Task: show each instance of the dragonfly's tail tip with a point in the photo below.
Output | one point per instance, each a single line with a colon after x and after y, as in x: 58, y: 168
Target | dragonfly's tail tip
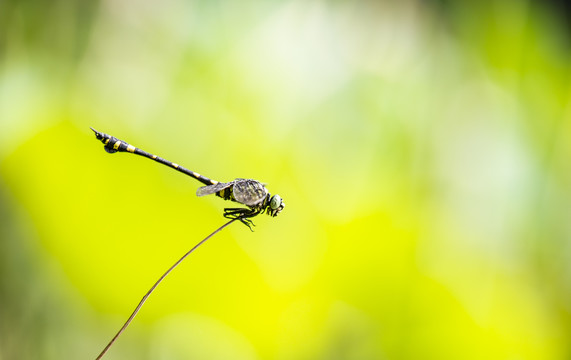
x: 98, y: 135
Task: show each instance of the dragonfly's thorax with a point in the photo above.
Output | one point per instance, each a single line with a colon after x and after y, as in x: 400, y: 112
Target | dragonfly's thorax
x: 226, y: 194
x: 248, y: 192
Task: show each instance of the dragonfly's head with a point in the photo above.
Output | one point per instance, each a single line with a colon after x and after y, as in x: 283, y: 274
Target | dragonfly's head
x: 276, y: 205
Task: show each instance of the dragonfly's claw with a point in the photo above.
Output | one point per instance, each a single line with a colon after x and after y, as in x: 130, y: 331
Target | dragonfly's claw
x: 249, y: 223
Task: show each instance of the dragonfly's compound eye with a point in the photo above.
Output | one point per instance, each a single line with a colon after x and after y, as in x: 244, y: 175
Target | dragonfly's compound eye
x: 276, y: 205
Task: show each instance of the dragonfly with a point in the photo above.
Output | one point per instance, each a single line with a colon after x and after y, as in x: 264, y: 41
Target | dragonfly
x: 249, y: 192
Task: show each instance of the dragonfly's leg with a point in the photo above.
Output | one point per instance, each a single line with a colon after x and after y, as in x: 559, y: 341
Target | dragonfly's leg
x: 241, y: 214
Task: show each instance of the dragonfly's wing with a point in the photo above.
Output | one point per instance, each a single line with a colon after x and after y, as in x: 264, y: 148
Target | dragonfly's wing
x: 249, y: 192
x: 211, y: 189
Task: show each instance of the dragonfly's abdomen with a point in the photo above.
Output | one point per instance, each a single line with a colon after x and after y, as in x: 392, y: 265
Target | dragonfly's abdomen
x: 113, y: 145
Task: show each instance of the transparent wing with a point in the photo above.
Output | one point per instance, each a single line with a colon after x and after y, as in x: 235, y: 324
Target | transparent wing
x: 211, y: 189
x: 249, y: 192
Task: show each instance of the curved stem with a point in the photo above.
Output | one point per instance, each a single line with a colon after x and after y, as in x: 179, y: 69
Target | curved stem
x: 157, y: 284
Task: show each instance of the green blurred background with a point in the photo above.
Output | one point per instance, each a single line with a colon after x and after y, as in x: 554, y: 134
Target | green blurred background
x: 422, y: 148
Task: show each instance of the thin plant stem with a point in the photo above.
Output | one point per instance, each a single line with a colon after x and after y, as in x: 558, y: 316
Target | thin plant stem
x: 157, y: 284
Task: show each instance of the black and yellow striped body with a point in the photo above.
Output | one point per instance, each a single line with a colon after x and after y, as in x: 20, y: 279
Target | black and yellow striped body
x: 248, y: 192
x: 112, y: 145
x: 226, y: 194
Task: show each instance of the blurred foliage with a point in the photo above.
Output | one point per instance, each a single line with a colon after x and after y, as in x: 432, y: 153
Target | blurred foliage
x: 422, y: 149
